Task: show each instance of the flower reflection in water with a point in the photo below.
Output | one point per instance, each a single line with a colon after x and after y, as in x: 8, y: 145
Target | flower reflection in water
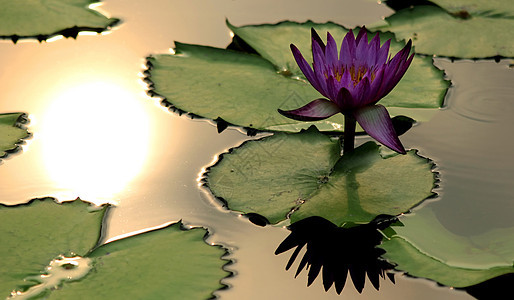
x: 95, y: 140
x: 339, y: 251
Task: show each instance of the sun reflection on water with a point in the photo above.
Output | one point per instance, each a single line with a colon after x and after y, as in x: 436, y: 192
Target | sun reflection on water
x: 94, y: 139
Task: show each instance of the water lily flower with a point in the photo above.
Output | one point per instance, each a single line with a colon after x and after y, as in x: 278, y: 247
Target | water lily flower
x: 353, y: 81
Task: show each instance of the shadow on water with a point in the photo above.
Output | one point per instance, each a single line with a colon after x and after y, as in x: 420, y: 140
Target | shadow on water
x: 339, y: 251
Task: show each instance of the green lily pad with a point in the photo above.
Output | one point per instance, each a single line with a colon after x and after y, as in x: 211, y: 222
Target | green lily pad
x: 60, y: 240
x: 301, y: 175
x: 168, y: 263
x: 45, y: 19
x: 11, y: 132
x: 35, y: 233
x: 424, y: 248
x: 477, y: 7
x: 466, y: 35
x: 247, y: 89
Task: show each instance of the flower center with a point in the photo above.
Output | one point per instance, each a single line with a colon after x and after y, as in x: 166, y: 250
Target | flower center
x: 356, y: 74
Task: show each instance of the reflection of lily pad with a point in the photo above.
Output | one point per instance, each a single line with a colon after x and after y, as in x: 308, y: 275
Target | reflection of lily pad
x: 247, y: 89
x: 304, y: 171
x: 424, y: 248
x: 34, y: 234
x: 156, y: 264
x: 44, y: 19
x: 11, y: 132
x: 435, y: 31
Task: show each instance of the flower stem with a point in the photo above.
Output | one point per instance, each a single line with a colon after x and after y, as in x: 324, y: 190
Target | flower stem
x: 349, y: 133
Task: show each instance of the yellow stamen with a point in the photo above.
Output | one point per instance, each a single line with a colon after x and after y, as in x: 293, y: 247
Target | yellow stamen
x: 355, y: 75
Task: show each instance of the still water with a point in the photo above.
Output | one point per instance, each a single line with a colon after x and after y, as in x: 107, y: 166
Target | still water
x: 98, y: 136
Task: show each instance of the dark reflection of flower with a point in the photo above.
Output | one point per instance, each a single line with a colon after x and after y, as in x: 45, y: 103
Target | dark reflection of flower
x: 336, y: 251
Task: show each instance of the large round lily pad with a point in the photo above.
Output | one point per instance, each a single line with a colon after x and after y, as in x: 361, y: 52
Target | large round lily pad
x: 301, y: 175
x: 11, y: 132
x: 44, y: 19
x: 247, y: 89
x: 424, y: 248
x: 170, y: 262
x: 478, y: 33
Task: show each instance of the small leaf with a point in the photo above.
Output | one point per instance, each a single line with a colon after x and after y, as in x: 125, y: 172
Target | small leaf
x: 12, y: 132
x: 304, y: 174
x: 45, y: 19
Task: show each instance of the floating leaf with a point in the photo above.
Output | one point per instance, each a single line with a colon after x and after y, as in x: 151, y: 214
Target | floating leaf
x: 11, y: 132
x: 168, y: 263
x: 473, y: 34
x: 304, y: 173
x: 476, y: 7
x: 156, y: 264
x: 424, y: 248
x: 246, y: 89
x: 45, y: 19
x: 35, y: 233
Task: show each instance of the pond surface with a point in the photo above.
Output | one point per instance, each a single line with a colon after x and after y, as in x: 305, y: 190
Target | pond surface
x: 98, y: 136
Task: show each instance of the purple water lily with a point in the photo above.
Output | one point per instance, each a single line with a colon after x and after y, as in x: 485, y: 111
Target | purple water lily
x: 353, y: 81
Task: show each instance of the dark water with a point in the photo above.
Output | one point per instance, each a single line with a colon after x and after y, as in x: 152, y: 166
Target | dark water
x: 98, y: 136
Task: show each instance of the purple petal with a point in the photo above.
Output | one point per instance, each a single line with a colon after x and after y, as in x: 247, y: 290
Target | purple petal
x: 360, y: 92
x: 362, y: 33
x: 396, y: 68
x: 345, y: 100
x: 318, y: 109
x: 402, y: 54
x: 331, y: 52
x: 383, y: 52
x: 374, y: 46
x: 332, y: 87
x: 347, y: 52
x: 317, y: 39
x: 361, y: 53
x: 375, y: 120
x: 305, y: 68
x: 320, y: 68
x: 346, y: 80
x: 376, y: 86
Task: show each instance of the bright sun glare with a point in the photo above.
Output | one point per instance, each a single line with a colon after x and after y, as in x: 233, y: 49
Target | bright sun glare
x: 95, y: 140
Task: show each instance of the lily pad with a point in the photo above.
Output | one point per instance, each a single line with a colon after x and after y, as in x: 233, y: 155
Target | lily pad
x: 476, y: 7
x: 302, y: 175
x: 11, y: 132
x: 45, y: 19
x: 35, y: 233
x: 60, y: 241
x: 168, y: 263
x: 247, y: 89
x: 424, y: 248
x: 478, y: 33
